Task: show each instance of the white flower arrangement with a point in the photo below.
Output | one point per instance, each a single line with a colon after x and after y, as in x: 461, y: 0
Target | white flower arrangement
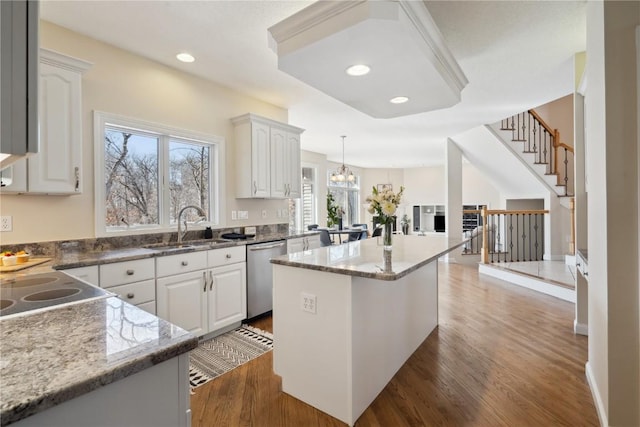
x: 384, y: 204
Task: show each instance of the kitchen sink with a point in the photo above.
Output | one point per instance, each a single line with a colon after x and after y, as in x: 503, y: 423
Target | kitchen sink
x: 186, y: 245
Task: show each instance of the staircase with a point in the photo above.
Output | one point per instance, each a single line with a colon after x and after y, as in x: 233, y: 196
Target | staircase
x: 540, y: 148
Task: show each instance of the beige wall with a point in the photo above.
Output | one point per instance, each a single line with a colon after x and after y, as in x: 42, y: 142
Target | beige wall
x: 612, y: 163
x: 123, y: 83
x: 559, y: 115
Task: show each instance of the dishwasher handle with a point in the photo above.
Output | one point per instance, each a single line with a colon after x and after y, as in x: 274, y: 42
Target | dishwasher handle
x: 263, y: 247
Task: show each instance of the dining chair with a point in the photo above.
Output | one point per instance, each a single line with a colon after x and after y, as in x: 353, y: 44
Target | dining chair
x: 312, y: 227
x: 325, y: 238
x: 377, y: 232
x: 363, y: 226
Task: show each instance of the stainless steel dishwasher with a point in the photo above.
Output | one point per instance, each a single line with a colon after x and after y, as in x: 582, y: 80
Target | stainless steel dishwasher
x: 260, y: 276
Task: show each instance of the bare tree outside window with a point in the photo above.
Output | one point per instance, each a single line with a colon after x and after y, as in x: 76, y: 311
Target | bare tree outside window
x: 188, y: 178
x: 131, y: 178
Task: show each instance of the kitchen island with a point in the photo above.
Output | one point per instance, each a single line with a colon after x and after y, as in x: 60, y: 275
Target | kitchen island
x: 345, y: 321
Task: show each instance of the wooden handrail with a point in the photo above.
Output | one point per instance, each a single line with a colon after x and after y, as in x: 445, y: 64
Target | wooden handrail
x: 542, y: 122
x: 516, y: 212
x: 563, y: 145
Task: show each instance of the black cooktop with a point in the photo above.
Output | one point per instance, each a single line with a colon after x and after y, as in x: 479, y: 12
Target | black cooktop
x: 35, y: 291
x: 237, y: 236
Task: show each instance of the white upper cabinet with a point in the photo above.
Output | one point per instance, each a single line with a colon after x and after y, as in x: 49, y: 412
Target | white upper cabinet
x: 267, y: 158
x: 57, y: 167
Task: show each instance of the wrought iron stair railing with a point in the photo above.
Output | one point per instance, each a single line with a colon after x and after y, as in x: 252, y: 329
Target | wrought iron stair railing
x: 539, y: 138
x: 507, y: 236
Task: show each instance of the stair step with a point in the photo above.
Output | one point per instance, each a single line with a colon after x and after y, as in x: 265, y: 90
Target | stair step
x: 519, y: 140
x: 541, y: 163
x: 507, y: 128
x: 534, y: 152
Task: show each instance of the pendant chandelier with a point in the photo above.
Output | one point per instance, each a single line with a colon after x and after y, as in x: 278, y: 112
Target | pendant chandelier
x: 343, y: 173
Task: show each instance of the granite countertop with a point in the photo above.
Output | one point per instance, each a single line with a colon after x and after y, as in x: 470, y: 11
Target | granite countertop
x: 70, y: 350
x: 79, y: 258
x: 365, y: 258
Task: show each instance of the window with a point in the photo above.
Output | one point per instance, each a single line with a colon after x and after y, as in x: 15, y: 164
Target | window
x: 146, y: 173
x: 303, y: 211
x: 347, y: 196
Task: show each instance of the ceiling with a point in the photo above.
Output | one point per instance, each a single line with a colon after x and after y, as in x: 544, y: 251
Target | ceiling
x: 516, y: 55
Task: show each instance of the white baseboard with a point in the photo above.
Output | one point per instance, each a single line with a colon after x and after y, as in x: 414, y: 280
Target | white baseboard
x: 529, y: 282
x: 570, y: 260
x: 597, y: 398
x: 580, y: 328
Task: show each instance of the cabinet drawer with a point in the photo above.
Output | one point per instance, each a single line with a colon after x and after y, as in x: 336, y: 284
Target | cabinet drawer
x: 149, y: 307
x: 181, y: 263
x: 136, y: 293
x: 224, y: 256
x: 121, y: 273
x: 88, y: 274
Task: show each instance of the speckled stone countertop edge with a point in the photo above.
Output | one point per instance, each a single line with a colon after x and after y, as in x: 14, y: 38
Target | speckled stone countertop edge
x: 359, y: 273
x: 146, y: 360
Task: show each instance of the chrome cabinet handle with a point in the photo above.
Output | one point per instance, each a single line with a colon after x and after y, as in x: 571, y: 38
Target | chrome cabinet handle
x: 130, y: 272
x: 211, y: 283
x: 255, y: 187
x: 204, y: 279
x: 577, y: 264
x: 130, y: 295
x: 184, y: 263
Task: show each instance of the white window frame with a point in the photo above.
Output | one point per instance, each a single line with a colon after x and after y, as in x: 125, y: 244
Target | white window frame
x: 300, y: 201
x: 101, y: 120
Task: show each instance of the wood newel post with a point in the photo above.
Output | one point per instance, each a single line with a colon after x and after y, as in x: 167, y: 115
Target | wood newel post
x: 556, y: 142
x: 485, y: 236
x: 572, y: 244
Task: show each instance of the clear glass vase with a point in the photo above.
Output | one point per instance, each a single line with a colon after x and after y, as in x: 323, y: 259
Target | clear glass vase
x: 387, y: 236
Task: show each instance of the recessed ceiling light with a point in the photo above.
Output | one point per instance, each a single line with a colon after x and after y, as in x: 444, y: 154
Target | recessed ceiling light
x: 399, y: 100
x: 185, y: 57
x: 358, y: 70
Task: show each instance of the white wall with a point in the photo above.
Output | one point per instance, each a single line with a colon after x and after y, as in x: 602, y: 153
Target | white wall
x: 611, y: 119
x: 124, y: 83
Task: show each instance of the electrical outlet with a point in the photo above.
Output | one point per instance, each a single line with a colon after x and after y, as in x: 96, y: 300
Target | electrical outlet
x: 6, y: 223
x: 234, y: 215
x: 308, y: 302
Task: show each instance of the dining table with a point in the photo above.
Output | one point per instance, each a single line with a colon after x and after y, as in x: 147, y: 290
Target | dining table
x: 342, y: 231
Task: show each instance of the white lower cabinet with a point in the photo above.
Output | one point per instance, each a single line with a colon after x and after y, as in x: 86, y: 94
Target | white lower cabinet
x: 133, y: 282
x: 89, y: 274
x: 227, y: 296
x: 204, y: 300
x: 181, y: 299
x: 305, y: 243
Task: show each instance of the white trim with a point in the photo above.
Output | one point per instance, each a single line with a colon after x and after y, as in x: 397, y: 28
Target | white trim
x: 528, y: 282
x: 217, y: 158
x: 597, y: 398
x: 580, y: 328
x: 66, y: 62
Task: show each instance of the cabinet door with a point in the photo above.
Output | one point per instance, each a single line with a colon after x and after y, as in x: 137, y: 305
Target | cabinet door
x: 293, y: 168
x: 260, y: 157
x: 181, y: 299
x: 295, y: 245
x: 56, y: 168
x: 279, y: 159
x: 313, y: 241
x: 227, y: 295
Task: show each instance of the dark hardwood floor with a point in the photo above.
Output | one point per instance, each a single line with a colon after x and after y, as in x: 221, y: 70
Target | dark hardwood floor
x: 501, y: 356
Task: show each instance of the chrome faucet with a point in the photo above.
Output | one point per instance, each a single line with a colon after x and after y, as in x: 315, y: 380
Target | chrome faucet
x: 202, y: 213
